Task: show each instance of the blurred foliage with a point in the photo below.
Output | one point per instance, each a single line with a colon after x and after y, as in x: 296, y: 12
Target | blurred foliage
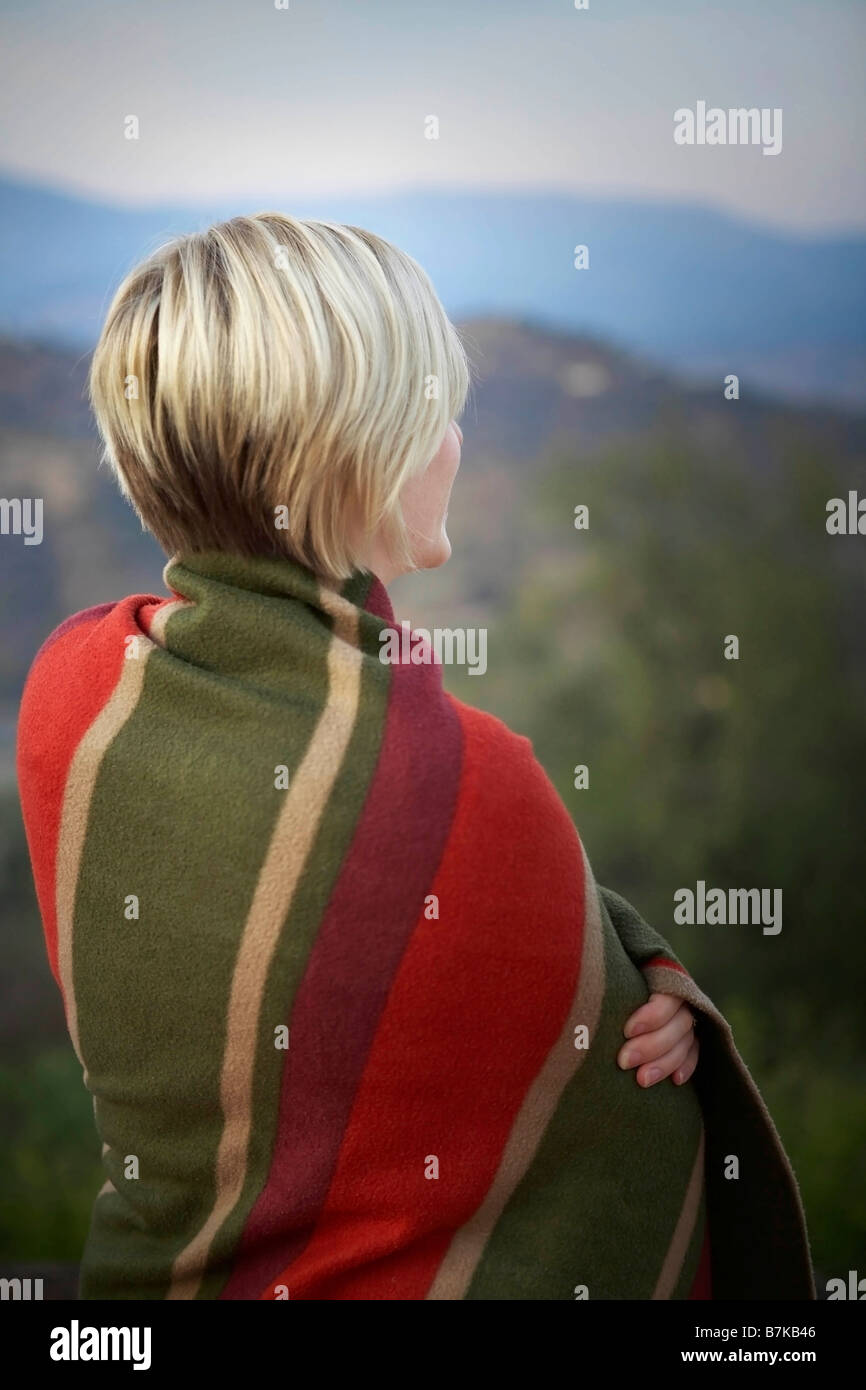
x: 51, y: 1174
x: 745, y: 773
x: 49, y: 1159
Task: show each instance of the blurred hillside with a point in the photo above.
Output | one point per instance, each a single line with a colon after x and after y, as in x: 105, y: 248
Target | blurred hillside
x: 537, y: 391
x: 707, y: 517
x: 700, y: 291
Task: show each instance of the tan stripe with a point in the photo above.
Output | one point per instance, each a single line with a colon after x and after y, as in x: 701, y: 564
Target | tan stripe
x: 673, y: 1262
x: 161, y: 617
x: 291, y: 842
x: 77, y: 796
x: 345, y: 615
x: 464, y: 1253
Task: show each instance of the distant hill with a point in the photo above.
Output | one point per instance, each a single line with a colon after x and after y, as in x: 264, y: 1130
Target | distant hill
x: 538, y: 393
x: 693, y: 288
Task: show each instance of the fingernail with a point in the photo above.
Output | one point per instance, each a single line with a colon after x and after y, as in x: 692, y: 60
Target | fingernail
x: 625, y: 1060
x: 652, y: 1075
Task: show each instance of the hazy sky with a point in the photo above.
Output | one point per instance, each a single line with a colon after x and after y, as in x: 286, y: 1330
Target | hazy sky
x: 235, y: 97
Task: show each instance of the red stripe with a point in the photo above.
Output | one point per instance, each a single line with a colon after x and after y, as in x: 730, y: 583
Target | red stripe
x: 368, y: 922
x: 480, y: 998
x: 702, y: 1286
x: 70, y: 681
x: 663, y: 961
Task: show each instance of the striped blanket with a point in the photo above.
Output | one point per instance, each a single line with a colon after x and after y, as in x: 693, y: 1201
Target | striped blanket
x: 343, y: 989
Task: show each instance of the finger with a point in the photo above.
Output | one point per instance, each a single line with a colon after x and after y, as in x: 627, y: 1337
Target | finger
x: 655, y: 1013
x: 682, y: 1074
x: 650, y: 1046
x: 666, y: 1065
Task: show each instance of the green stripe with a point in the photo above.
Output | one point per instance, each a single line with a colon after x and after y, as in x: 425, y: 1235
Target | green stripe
x: 163, y: 826
x: 314, y: 890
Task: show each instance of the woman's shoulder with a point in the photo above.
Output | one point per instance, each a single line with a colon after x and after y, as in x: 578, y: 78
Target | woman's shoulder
x: 505, y: 761
x: 76, y: 633
x: 79, y: 623
x: 80, y: 657
x: 490, y: 734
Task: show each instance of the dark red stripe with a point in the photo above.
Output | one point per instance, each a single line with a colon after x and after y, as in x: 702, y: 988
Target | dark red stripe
x: 86, y: 615
x: 378, y: 602
x: 370, y: 918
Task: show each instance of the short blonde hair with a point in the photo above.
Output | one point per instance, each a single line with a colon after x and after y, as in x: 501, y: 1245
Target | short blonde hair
x: 275, y: 368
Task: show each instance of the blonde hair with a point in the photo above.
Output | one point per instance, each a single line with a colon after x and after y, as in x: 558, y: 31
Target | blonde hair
x: 270, y: 368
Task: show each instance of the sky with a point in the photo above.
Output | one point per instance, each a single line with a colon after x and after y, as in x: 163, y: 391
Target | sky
x: 236, y: 98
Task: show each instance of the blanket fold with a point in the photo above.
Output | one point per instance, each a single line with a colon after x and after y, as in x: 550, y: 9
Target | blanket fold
x: 343, y: 988
x: 764, y: 1196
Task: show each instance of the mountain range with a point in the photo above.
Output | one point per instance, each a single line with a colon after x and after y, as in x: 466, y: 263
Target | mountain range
x: 689, y: 288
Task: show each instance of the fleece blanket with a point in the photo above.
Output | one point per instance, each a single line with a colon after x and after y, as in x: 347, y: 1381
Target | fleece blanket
x: 343, y: 989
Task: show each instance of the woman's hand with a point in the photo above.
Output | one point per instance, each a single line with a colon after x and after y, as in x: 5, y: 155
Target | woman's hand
x: 662, y: 1041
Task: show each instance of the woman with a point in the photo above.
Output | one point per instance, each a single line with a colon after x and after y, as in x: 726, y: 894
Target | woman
x: 348, y: 1000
